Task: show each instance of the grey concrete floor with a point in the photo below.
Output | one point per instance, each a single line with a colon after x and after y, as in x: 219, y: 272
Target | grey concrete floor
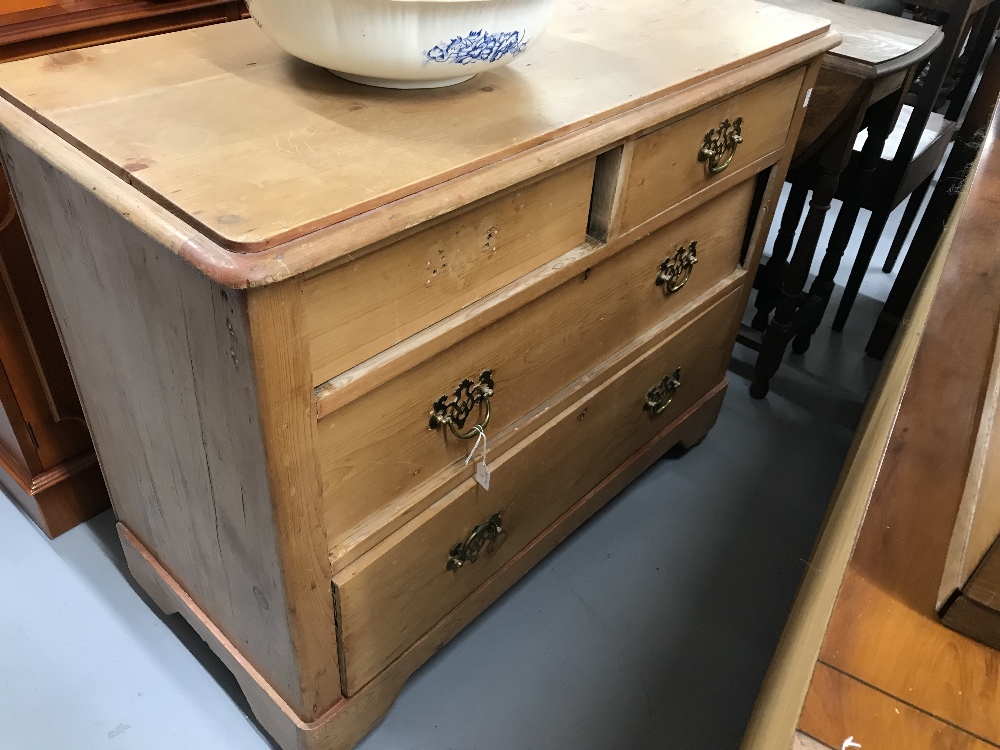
x: 651, y: 627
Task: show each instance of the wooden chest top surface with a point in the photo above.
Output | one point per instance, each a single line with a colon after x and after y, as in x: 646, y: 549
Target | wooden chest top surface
x: 254, y: 148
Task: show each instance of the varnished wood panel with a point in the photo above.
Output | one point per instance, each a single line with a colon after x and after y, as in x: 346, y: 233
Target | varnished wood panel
x: 277, y: 161
x: 885, y: 629
x: 786, y: 684
x: 358, y: 310
x: 377, y: 448
x: 181, y: 446
x: 841, y: 708
x: 665, y: 165
x: 532, y: 485
x: 45, y: 27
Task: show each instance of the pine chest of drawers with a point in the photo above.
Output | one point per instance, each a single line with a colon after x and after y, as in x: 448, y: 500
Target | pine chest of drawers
x: 292, y: 306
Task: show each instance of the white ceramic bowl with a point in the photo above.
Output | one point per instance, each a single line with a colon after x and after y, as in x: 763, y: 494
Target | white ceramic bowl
x: 404, y: 43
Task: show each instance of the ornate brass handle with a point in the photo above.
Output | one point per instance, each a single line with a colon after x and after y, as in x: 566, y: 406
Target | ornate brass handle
x: 485, y: 535
x: 456, y: 411
x: 676, y: 270
x: 662, y: 394
x: 720, y: 145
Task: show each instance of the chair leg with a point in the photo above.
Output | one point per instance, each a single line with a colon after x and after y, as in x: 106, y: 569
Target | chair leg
x: 876, y: 223
x: 909, y: 214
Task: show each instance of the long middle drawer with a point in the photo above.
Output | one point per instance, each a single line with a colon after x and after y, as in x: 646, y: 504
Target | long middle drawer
x: 378, y: 448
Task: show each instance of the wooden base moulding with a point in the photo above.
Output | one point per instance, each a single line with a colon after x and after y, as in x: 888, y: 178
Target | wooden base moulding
x: 348, y: 721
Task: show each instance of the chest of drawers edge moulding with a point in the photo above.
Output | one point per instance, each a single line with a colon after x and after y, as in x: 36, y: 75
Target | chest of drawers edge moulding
x: 235, y: 435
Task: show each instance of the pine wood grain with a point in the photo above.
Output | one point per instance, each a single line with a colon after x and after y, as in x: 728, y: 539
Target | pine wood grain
x: 665, y: 165
x: 181, y: 446
x: 337, y: 243
x: 361, y: 309
x: 277, y: 161
x: 378, y: 448
x: 347, y: 722
x: 532, y: 485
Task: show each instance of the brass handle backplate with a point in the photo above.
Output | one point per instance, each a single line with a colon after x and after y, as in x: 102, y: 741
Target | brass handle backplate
x: 455, y: 411
x: 486, y: 535
x: 720, y: 145
x: 662, y: 394
x: 676, y: 270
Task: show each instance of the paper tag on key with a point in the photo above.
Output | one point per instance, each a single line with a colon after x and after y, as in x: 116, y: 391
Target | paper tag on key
x: 482, y: 470
x: 483, y: 475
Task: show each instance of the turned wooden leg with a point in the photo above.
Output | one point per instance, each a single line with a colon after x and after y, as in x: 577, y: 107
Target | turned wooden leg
x: 782, y: 325
x: 912, y: 207
x: 882, y: 118
x: 771, y: 274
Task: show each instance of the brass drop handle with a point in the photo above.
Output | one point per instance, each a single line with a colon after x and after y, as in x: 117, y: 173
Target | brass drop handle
x: 662, y: 394
x: 720, y: 145
x: 675, y: 271
x: 486, y: 535
x: 455, y: 411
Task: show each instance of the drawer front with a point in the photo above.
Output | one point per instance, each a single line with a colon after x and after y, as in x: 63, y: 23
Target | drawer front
x: 378, y: 447
x: 360, y: 309
x: 666, y: 167
x: 396, y: 592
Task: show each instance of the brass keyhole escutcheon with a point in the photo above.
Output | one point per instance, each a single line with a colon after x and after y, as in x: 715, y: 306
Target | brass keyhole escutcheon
x: 675, y: 271
x: 720, y: 145
x: 455, y: 411
x: 662, y: 394
x: 487, y: 535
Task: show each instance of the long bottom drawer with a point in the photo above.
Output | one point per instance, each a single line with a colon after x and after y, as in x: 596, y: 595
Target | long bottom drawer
x: 397, y: 591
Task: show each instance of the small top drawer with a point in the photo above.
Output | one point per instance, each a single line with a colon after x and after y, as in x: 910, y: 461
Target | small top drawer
x: 355, y: 311
x: 668, y: 165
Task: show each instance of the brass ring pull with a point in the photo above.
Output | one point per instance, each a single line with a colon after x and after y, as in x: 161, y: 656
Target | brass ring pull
x: 455, y: 412
x: 720, y: 145
x: 486, y: 535
x: 662, y: 394
x: 675, y: 271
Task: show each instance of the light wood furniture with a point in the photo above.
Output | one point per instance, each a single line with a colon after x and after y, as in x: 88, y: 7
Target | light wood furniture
x: 865, y: 653
x: 47, y: 461
x: 861, y: 85
x: 277, y: 289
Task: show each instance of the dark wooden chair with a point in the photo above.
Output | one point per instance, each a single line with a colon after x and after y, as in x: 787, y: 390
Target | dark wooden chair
x: 918, y: 143
x: 967, y: 145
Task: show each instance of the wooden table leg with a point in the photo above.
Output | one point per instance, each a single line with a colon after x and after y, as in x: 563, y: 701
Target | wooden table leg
x: 882, y: 118
x: 771, y: 274
x: 786, y: 321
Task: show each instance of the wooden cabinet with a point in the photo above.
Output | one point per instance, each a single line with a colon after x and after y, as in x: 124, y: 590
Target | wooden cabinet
x: 293, y: 310
x: 47, y: 461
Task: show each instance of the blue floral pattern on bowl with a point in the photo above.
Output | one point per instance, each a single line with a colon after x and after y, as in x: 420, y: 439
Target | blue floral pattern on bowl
x: 479, y: 46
